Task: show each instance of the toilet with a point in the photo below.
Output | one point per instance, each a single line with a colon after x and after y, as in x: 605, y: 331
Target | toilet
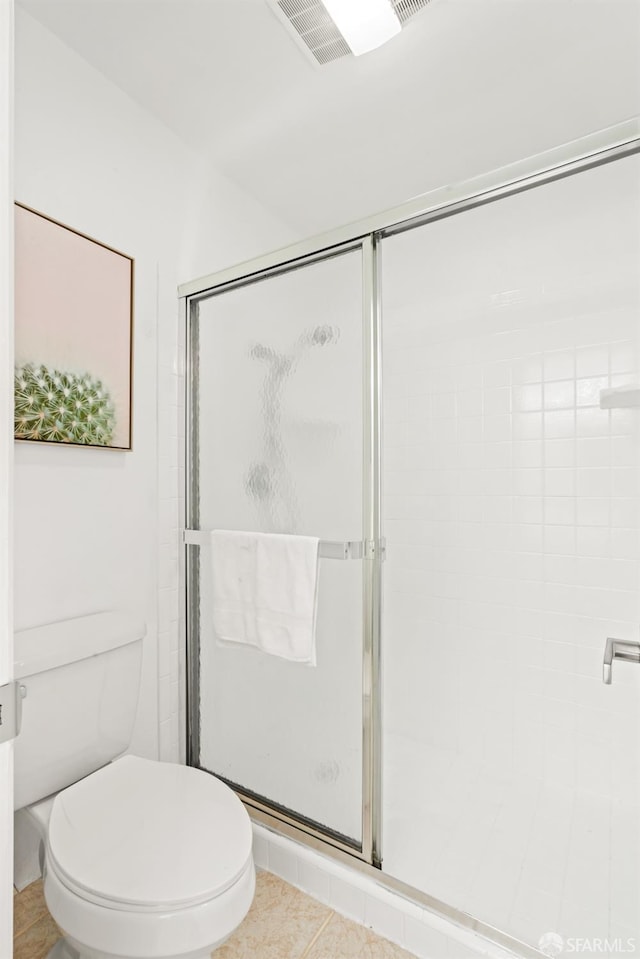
x: 141, y: 859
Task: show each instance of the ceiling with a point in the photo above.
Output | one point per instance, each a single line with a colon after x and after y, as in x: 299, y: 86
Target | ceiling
x: 467, y: 86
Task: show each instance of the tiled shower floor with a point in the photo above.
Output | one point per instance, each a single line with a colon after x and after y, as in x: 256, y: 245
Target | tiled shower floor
x: 283, y: 923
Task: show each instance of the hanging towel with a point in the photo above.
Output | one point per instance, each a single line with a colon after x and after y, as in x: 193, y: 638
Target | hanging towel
x: 265, y: 588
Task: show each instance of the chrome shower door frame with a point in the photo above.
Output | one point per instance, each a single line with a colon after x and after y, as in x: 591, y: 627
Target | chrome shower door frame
x: 604, y: 146
x: 367, y: 849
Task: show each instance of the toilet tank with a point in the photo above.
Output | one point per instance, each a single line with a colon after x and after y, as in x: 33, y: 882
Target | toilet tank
x: 81, y: 680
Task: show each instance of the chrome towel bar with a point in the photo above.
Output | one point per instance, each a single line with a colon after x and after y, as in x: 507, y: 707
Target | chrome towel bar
x: 327, y: 548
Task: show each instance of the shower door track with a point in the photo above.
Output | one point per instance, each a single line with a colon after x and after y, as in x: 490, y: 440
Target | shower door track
x: 605, y: 146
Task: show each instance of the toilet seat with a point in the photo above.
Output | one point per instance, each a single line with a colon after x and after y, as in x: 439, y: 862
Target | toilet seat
x: 148, y: 837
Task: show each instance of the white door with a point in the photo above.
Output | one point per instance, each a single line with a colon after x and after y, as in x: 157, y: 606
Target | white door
x: 6, y: 454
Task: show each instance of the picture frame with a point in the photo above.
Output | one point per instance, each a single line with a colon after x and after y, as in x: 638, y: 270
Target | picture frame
x: 73, y: 336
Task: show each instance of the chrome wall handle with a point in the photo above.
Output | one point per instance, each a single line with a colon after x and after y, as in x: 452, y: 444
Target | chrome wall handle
x: 618, y: 649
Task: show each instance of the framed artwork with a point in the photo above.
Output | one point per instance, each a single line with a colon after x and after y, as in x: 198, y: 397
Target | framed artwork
x: 73, y: 336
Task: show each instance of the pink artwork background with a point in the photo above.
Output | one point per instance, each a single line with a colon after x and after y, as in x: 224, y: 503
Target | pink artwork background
x: 73, y: 309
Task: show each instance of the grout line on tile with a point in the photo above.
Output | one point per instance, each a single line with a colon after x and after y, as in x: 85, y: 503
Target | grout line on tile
x: 315, y: 938
x: 32, y: 923
x: 28, y: 927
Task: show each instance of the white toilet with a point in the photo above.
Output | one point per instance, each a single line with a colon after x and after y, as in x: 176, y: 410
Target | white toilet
x: 141, y: 859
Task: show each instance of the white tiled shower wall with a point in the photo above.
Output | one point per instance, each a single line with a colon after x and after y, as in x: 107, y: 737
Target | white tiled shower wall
x: 512, y: 515
x: 512, y: 504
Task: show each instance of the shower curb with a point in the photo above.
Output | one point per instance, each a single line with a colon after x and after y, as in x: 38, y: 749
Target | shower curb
x: 367, y: 902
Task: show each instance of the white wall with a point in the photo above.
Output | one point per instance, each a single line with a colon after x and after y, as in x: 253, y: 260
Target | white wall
x: 6, y: 377
x: 87, y: 521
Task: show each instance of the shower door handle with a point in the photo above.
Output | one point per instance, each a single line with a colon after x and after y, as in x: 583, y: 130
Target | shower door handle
x: 618, y: 649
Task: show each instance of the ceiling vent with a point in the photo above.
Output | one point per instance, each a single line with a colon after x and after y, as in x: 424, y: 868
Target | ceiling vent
x: 316, y: 33
x: 405, y: 9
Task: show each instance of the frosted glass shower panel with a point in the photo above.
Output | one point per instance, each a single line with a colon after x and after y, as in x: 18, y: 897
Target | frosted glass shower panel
x: 512, y: 518
x: 280, y: 450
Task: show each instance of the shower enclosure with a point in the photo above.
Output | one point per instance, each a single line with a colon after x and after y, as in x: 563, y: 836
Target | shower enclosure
x: 448, y: 396
x: 279, y: 437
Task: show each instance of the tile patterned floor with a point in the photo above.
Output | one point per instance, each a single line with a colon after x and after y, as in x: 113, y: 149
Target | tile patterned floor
x: 283, y: 923
x: 34, y: 931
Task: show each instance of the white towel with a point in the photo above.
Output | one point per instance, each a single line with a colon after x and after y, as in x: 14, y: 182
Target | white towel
x: 265, y: 588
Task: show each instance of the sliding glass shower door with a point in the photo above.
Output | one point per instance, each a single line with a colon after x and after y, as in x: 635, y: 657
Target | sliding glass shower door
x: 464, y: 383
x: 511, y: 371
x: 277, y: 437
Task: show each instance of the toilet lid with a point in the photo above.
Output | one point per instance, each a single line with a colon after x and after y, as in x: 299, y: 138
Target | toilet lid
x: 149, y: 835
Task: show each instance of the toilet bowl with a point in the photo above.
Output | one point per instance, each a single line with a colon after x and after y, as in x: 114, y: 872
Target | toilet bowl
x: 148, y: 859
x: 141, y: 859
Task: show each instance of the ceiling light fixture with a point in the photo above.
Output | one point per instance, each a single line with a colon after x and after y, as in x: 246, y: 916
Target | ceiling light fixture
x: 365, y: 24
